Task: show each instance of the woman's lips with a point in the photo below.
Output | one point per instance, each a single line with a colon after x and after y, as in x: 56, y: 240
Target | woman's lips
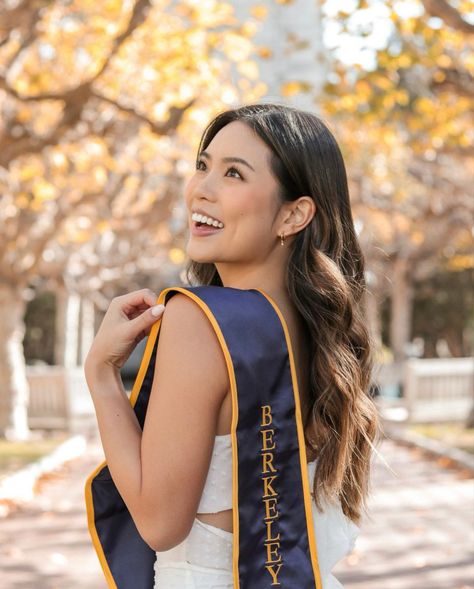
x: 204, y: 229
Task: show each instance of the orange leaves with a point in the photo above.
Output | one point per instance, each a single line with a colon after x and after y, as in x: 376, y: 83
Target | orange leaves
x: 249, y: 69
x: 460, y: 262
x: 176, y: 255
x: 404, y: 60
x: 22, y: 200
x: 444, y: 61
x: 72, y: 43
x: 402, y: 97
x: 294, y: 87
x: 265, y: 52
x: 423, y: 105
x: 364, y: 89
x: 259, y: 11
x: 408, y: 25
x: 349, y: 102
x: 417, y: 237
x: 43, y: 190
x: 31, y: 168
x: 236, y: 47
x: 420, y: 83
x: 102, y: 144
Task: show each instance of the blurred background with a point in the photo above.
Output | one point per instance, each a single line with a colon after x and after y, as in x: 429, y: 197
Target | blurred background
x: 102, y: 107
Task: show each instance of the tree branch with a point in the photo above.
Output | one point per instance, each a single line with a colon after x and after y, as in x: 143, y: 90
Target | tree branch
x: 75, y: 100
x: 20, y: 15
x: 23, y: 17
x: 460, y: 81
x: 442, y: 9
x: 176, y: 114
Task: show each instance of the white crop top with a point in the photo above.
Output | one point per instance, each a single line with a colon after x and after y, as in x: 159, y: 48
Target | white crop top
x: 217, y: 492
x: 336, y: 534
x: 331, y: 525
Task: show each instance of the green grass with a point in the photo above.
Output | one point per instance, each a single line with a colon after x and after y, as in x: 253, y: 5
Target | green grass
x: 16, y: 455
x: 452, y: 434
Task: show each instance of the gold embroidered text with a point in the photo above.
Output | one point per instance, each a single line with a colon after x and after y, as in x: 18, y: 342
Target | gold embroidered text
x: 273, y: 563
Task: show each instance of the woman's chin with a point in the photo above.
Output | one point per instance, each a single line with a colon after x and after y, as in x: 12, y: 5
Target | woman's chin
x: 195, y: 255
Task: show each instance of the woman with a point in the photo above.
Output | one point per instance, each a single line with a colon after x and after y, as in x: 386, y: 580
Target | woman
x: 268, y: 210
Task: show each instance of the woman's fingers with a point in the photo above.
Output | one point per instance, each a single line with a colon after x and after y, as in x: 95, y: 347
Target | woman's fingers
x: 145, y: 320
x: 128, y: 319
x: 140, y: 309
x: 136, y: 300
x: 136, y: 311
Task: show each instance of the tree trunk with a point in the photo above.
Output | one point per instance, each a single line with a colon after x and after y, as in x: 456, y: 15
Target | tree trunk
x: 372, y: 314
x: 470, y: 419
x: 67, y: 328
x: 401, y: 308
x: 87, y: 327
x: 14, y: 389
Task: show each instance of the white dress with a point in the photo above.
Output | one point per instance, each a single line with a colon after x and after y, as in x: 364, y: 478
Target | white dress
x: 204, y: 559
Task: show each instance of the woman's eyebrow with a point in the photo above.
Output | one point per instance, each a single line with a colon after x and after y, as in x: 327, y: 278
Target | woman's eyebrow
x: 229, y: 159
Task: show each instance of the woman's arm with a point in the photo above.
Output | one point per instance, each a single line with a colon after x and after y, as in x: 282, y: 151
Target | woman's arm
x: 160, y: 472
x: 189, y: 385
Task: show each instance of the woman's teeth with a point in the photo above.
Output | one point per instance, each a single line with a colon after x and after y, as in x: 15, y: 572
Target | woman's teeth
x: 207, y: 220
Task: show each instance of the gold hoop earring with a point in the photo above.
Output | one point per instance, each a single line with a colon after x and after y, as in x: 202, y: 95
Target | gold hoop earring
x: 282, y: 239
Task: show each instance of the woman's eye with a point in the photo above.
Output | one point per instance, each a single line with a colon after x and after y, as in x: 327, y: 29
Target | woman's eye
x: 202, y: 162
x: 235, y: 170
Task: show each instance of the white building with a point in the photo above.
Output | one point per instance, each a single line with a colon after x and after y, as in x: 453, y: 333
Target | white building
x: 292, y: 32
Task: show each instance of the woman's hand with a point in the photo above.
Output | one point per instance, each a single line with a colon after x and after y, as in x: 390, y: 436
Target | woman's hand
x: 128, y: 320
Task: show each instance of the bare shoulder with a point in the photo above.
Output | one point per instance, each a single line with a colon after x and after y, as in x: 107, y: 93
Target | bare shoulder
x: 190, y: 382
x: 181, y: 306
x: 187, y: 334
x: 184, y: 314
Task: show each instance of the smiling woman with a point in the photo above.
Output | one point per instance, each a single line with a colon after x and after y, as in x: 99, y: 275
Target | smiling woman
x: 203, y: 223
x: 242, y: 459
x: 243, y: 197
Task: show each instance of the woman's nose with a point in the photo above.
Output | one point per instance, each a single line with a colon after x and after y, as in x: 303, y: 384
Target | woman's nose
x: 205, y: 189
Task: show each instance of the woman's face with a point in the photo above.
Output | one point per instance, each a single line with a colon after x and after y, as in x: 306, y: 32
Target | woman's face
x: 242, y: 196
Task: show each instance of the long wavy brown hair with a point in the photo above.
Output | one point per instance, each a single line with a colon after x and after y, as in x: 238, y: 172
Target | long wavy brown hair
x: 325, y: 280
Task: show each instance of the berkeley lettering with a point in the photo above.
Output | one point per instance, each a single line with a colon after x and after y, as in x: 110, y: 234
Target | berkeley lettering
x: 272, y: 542
x: 269, y: 505
x: 274, y: 570
x: 267, y: 458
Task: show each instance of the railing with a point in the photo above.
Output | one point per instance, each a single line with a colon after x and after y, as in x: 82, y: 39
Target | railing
x: 59, y: 399
x: 48, y: 406
x: 439, y: 389
x: 418, y: 390
x: 427, y: 390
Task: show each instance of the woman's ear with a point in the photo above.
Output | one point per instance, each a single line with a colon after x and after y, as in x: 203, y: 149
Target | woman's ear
x: 298, y: 215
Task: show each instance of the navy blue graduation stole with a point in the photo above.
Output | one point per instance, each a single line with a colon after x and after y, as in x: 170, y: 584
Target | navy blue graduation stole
x: 274, y: 542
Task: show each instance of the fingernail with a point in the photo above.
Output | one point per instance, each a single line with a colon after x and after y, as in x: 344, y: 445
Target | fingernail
x: 157, y: 310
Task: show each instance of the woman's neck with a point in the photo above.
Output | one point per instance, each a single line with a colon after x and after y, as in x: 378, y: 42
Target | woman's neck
x: 245, y: 278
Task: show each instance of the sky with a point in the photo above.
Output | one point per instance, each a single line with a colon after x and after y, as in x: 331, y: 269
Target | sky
x: 373, y: 21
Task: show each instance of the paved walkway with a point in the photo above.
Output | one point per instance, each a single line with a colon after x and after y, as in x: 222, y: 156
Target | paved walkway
x: 421, y: 531
x: 420, y: 535
x: 47, y: 545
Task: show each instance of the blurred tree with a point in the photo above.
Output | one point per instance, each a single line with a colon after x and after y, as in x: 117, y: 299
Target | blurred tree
x: 102, y: 105
x: 405, y: 118
x: 38, y: 343
x: 444, y: 308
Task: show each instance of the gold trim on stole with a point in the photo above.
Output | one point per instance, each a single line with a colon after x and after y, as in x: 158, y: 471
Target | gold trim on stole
x: 302, y: 447
x: 133, y: 398
x: 88, y: 488
x: 235, y: 412
x: 92, y: 529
